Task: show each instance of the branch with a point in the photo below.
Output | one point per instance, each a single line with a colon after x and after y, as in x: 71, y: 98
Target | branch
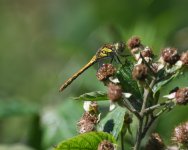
x: 149, y: 109
x: 131, y: 109
x: 146, y: 94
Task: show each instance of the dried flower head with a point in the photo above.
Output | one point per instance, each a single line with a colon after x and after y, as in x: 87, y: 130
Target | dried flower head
x: 181, y: 96
x: 133, y: 42
x: 180, y: 134
x: 87, y: 122
x: 170, y: 55
x: 114, y: 92
x: 105, y: 71
x: 140, y: 72
x: 184, y: 58
x: 106, y: 145
x: 155, y: 143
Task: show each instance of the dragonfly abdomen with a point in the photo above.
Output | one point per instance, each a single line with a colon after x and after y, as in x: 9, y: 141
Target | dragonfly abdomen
x: 76, y: 75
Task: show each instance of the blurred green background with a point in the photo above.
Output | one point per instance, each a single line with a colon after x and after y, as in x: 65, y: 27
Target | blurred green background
x: 43, y: 42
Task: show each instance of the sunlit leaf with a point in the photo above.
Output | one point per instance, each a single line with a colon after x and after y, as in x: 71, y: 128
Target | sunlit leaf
x: 113, y: 122
x: 86, y: 141
x: 93, y: 96
x: 162, y: 83
x: 124, y: 75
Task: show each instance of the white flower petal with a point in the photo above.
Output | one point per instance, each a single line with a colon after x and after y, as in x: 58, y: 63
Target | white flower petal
x: 112, y: 106
x: 170, y: 96
x: 127, y: 95
x: 114, y: 80
x: 86, y: 105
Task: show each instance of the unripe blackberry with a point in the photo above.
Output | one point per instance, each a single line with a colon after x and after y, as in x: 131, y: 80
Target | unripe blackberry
x: 114, y: 92
x: 170, y: 55
x: 140, y: 72
x: 106, y: 145
x: 184, y: 58
x: 155, y: 143
x: 133, y: 42
x: 181, y: 96
x: 180, y: 134
x: 105, y: 71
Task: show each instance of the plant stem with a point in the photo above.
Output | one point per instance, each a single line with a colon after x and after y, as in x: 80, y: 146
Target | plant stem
x: 157, y: 106
x: 122, y: 140
x: 145, y: 96
x: 139, y: 135
x: 141, y: 132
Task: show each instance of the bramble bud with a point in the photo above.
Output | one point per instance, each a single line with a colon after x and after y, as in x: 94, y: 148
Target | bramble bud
x: 155, y: 143
x: 170, y: 55
x: 140, y: 72
x: 180, y: 134
x: 184, y: 58
x: 106, y: 145
x: 87, y: 122
x: 105, y: 71
x: 133, y: 42
x: 181, y: 96
x: 128, y: 118
x: 114, y: 92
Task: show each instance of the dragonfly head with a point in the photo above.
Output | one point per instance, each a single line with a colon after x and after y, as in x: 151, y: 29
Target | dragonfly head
x: 119, y: 47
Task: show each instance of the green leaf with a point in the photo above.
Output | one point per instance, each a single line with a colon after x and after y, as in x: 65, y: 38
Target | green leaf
x: 86, y: 141
x: 113, y: 122
x: 93, y: 96
x: 124, y: 74
x: 162, y: 83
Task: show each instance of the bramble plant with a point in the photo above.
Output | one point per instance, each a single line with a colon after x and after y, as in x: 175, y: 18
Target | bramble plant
x: 133, y: 86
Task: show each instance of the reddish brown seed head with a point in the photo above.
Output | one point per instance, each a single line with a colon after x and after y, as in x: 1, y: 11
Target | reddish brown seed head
x: 180, y: 134
x: 184, y: 58
x: 170, y: 55
x: 105, y: 71
x: 114, y: 92
x: 133, y: 42
x: 181, y: 96
x: 105, y: 145
x: 155, y: 143
x: 140, y: 72
x: 87, y: 122
x: 147, y: 52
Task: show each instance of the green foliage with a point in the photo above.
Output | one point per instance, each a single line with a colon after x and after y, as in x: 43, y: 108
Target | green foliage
x: 87, y: 141
x: 93, y: 96
x: 111, y: 124
x: 124, y: 74
x: 10, y: 108
x: 164, y: 81
x: 43, y: 43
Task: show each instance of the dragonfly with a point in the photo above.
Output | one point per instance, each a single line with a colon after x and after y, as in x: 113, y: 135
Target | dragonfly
x: 111, y: 51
